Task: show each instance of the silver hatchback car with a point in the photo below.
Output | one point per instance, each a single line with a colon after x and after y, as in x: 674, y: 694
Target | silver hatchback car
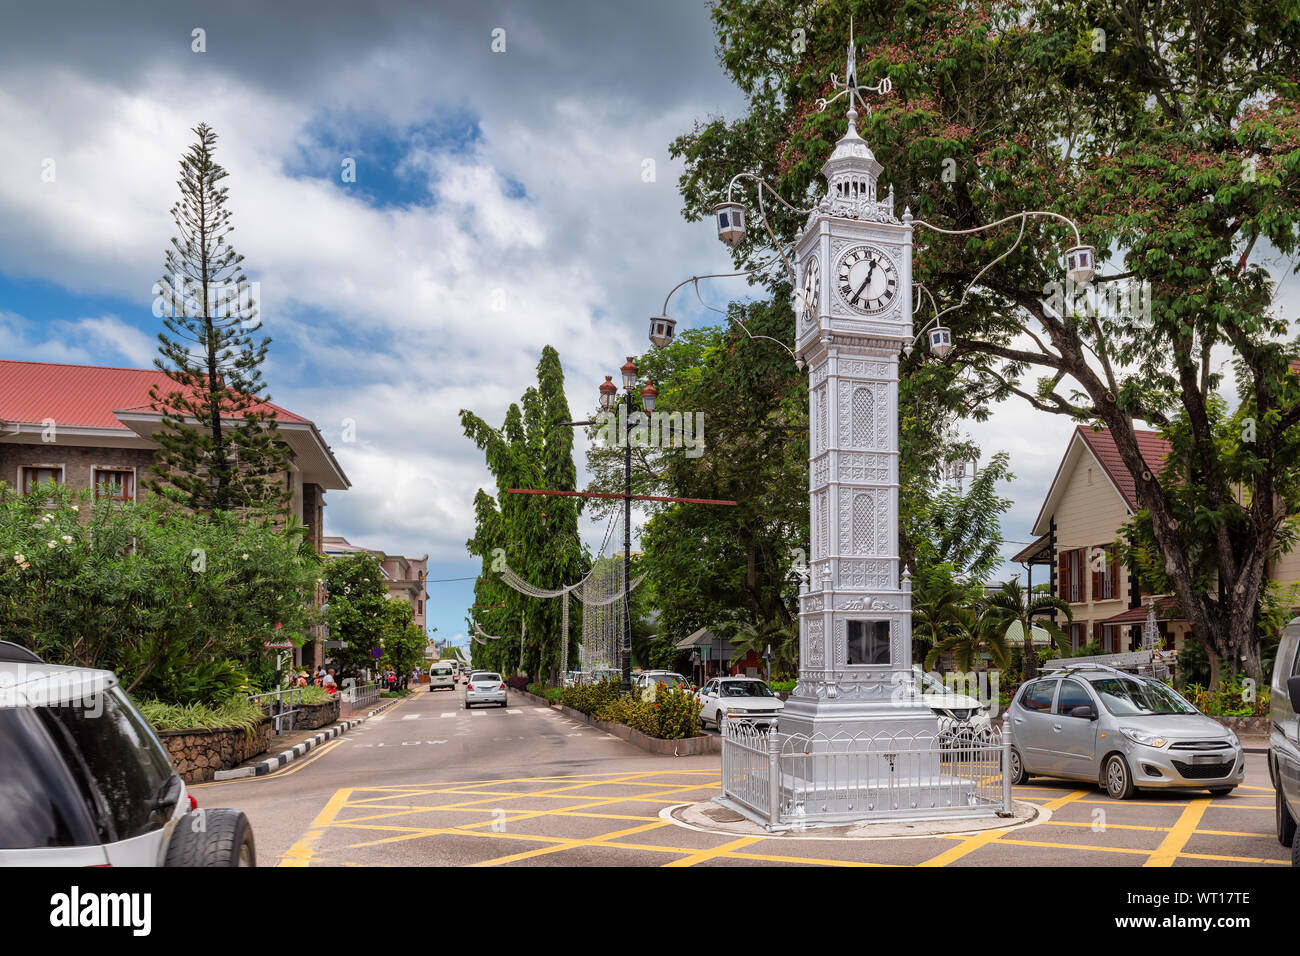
x: 1092, y: 722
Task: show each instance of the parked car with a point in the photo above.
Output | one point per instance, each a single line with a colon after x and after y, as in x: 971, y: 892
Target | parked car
x: 85, y: 781
x: 743, y: 698
x: 576, y: 678
x: 442, y: 676
x: 958, y: 714
x: 670, y: 679
x: 485, y: 687
x: 604, y: 674
x: 1284, y: 739
x: 1093, y: 722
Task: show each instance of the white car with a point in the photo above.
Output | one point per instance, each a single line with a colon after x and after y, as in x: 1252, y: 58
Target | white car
x: 485, y: 687
x: 85, y: 782
x: 742, y: 698
x: 955, y: 711
x: 648, y: 680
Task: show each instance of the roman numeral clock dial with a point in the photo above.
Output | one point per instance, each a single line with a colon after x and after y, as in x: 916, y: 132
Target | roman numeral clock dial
x: 866, y: 279
x: 811, y: 286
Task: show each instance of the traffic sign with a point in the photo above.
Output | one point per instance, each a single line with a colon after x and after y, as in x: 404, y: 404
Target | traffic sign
x: 376, y: 653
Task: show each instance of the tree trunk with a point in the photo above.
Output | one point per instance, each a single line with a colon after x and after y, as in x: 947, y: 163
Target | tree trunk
x: 1029, y: 663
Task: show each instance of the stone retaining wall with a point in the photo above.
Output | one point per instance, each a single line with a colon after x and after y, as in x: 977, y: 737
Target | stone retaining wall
x: 198, y: 754
x: 311, y: 716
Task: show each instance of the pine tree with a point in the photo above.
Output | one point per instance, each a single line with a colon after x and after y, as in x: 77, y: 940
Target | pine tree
x: 220, y: 448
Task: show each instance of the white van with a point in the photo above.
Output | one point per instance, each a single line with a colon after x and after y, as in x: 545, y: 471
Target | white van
x: 442, y: 674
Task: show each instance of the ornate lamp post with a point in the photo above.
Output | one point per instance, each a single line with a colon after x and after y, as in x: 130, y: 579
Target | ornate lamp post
x: 609, y: 402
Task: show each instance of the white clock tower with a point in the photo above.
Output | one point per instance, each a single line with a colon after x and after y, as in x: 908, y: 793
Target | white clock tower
x: 853, y: 261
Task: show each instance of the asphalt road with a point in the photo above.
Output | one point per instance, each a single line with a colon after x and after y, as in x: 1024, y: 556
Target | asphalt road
x: 429, y: 783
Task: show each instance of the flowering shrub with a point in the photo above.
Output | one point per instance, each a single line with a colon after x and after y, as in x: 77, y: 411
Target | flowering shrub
x: 1229, y: 699
x: 673, y: 714
x: 589, y: 698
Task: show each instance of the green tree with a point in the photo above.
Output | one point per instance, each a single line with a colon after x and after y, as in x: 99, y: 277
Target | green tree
x: 1167, y: 130
x: 979, y: 634
x: 955, y: 531
x: 219, y: 442
x: 1013, y: 605
x: 150, y: 590
x: 534, y: 536
x: 356, y: 604
x: 403, y: 642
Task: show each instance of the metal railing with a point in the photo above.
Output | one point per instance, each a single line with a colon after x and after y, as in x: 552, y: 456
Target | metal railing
x: 280, y: 705
x: 357, y: 697
x: 793, y: 780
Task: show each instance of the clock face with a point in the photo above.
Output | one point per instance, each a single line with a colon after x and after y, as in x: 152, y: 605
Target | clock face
x: 812, y: 278
x: 866, y: 279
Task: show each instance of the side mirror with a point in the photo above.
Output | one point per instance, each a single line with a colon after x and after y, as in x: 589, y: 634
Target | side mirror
x: 1085, y: 711
x: 1293, y: 690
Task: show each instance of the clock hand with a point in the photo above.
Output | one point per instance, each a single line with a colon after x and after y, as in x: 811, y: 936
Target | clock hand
x: 866, y: 281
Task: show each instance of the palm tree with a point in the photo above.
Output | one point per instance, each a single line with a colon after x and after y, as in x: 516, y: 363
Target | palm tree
x: 784, y: 641
x: 977, y: 633
x: 935, y: 614
x: 1013, y: 605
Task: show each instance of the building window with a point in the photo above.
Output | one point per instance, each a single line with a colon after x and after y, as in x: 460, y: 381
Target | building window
x: 115, y: 483
x: 419, y: 606
x: 30, y: 476
x: 1105, y: 572
x: 868, y: 642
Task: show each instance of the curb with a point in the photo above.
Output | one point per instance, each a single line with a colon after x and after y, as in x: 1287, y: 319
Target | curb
x: 272, y: 764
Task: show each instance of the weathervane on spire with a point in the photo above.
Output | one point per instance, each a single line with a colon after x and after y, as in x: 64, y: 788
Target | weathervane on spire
x: 850, y: 84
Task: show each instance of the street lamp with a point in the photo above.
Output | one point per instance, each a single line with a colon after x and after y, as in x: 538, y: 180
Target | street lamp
x: 608, y: 399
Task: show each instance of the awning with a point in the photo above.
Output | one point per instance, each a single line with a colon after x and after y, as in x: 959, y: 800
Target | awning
x: 1167, y: 609
x: 1039, y: 635
x: 1040, y: 552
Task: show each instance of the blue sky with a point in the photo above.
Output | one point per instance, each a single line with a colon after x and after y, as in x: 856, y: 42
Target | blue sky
x: 479, y: 174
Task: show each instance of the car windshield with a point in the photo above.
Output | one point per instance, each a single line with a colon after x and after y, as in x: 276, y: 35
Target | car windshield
x: 1123, y: 696
x: 485, y: 677
x: 746, y: 688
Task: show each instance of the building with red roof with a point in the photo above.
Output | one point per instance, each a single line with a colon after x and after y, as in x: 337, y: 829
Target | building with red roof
x: 94, y: 427
x: 1091, y: 496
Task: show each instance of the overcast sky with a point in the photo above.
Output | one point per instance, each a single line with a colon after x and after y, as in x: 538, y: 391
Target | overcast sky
x: 479, y: 174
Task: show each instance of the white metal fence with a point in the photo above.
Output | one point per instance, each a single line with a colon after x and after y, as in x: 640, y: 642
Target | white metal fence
x: 791, y: 780
x: 357, y: 697
x: 280, y: 705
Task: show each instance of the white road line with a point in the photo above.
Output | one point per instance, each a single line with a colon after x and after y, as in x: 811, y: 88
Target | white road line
x: 448, y: 713
x: 478, y: 713
x: 410, y: 716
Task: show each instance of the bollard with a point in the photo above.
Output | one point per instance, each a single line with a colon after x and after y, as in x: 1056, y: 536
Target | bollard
x: 1006, y: 771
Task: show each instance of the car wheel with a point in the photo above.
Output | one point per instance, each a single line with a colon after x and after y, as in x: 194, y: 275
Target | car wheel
x: 1118, y: 780
x: 225, y: 839
x: 1286, y: 824
x: 1221, y: 791
x: 1017, y: 769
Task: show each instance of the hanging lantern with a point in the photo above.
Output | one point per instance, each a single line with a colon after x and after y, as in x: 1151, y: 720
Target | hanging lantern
x: 649, y: 395
x: 940, y: 341
x: 1081, y: 263
x: 731, y: 222
x: 661, y: 330
x: 608, y: 393
x: 629, y: 374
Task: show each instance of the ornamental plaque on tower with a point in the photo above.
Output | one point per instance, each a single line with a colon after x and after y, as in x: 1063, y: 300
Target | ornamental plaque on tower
x: 853, y: 262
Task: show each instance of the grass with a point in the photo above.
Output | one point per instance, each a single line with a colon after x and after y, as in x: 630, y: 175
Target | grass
x: 237, y: 713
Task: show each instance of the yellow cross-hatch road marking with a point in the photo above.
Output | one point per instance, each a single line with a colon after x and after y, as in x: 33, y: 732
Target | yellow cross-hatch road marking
x: 973, y: 843
x: 1172, y: 845
x: 490, y: 817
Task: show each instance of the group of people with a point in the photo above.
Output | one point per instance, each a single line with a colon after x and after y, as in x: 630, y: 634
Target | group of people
x: 324, y: 678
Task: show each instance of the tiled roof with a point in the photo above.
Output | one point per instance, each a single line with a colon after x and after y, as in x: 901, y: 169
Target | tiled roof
x: 1153, y: 448
x: 82, y: 395
x: 1167, y: 609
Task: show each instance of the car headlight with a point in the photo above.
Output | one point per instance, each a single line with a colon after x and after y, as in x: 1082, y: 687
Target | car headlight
x: 1137, y: 736
x: 1233, y: 739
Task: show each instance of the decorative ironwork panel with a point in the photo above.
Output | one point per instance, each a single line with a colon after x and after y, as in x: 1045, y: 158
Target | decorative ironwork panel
x: 858, y: 467
x: 816, y: 644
